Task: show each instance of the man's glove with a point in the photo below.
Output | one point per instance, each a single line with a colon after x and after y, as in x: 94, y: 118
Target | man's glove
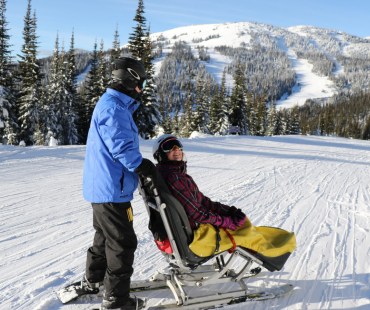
x: 146, y: 168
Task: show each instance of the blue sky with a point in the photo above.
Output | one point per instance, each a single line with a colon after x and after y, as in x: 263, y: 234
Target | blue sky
x: 96, y: 20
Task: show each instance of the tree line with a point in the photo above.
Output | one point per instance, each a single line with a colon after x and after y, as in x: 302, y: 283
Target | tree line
x: 347, y: 116
x: 44, y: 99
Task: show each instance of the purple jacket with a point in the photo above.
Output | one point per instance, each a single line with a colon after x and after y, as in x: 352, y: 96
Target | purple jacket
x: 199, y: 208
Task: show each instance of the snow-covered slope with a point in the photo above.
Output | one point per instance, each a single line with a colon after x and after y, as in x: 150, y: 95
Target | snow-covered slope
x: 309, y: 84
x: 315, y: 186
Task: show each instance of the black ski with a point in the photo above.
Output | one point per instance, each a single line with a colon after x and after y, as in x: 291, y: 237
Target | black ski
x: 74, y: 290
x: 142, y: 307
x: 255, y: 296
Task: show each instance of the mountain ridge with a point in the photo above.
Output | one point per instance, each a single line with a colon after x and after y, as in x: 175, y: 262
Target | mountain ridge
x: 325, y: 61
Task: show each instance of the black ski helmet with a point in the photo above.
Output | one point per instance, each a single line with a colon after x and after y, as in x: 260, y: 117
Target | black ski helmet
x: 128, y: 73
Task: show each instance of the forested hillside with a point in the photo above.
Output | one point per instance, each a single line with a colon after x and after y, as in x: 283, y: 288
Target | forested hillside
x: 216, y: 79
x: 234, y: 74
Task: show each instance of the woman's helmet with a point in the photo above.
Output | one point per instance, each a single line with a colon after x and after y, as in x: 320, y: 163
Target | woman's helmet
x: 127, y: 73
x: 164, y: 144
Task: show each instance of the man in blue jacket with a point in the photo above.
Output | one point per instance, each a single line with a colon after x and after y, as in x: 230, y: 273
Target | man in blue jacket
x: 112, y: 162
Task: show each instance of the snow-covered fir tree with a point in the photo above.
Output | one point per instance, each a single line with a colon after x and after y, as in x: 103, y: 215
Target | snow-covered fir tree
x: 271, y: 120
x: 202, y: 104
x: 8, y: 121
x: 285, y: 122
x: 224, y: 98
x: 29, y: 101
x: 280, y: 123
x: 54, y: 107
x: 261, y: 115
x: 238, y: 102
x: 115, y: 51
x: 72, y: 102
x: 164, y: 110
x: 187, y: 125
x: 366, y: 131
x: 216, y: 112
x: 103, y: 73
x: 140, y: 46
x: 294, y: 121
x: 90, y: 94
x: 136, y: 43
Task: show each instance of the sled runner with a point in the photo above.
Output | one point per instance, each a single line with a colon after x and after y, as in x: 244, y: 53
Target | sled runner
x: 186, y: 270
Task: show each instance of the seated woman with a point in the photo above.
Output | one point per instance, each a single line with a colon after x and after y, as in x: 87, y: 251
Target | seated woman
x: 213, y: 220
x: 168, y: 151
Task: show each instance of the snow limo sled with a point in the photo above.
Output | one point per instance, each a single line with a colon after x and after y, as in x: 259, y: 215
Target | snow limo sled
x: 187, y: 272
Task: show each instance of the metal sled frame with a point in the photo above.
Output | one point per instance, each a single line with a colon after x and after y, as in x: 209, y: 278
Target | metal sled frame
x: 186, y: 269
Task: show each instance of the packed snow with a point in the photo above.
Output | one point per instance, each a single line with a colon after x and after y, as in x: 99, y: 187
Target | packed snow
x: 309, y: 84
x: 317, y: 187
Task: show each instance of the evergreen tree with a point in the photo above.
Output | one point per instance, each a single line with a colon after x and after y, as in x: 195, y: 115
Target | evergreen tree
x: 354, y: 128
x: 115, y: 52
x: 201, y: 115
x: 327, y: 120
x: 366, y: 131
x: 30, y: 80
x: 140, y: 46
x: 238, y: 101
x: 219, y: 120
x: 8, y: 121
x: 103, y: 74
x: 286, y: 121
x: 187, y: 125
x: 215, y: 113
x: 89, y: 95
x: 136, y: 43
x: 54, y: 105
x: 150, y: 104
x: 164, y: 112
x: 72, y: 103
x: 272, y: 120
x: 175, y: 125
x: 280, y: 123
x: 294, y: 121
x: 251, y: 113
x: 225, y: 103
x: 261, y: 116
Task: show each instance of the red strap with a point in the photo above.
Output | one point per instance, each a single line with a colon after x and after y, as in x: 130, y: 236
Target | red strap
x: 232, y: 240
x: 164, y: 246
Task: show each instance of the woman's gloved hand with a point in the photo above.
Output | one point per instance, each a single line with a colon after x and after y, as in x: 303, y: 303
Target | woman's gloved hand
x: 227, y: 222
x: 236, y: 213
x: 239, y: 221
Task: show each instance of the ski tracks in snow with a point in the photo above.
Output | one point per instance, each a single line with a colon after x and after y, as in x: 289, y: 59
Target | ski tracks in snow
x: 326, y: 219
x: 315, y: 186
x: 319, y: 193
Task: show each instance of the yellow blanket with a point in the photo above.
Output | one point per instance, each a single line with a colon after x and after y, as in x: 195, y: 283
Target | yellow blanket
x: 268, y: 241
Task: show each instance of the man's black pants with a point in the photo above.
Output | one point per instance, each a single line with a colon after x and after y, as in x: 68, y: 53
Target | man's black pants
x: 112, y: 255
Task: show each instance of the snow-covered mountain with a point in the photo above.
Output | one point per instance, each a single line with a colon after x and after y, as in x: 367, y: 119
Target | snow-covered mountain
x: 323, y: 60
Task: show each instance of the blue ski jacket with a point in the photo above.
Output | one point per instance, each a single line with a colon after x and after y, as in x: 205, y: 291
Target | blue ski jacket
x: 112, y: 150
